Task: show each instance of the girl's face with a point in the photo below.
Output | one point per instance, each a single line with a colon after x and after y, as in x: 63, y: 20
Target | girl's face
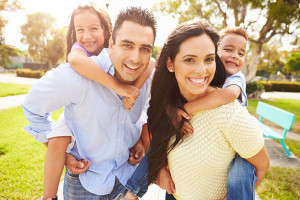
x: 194, y: 66
x: 89, y: 31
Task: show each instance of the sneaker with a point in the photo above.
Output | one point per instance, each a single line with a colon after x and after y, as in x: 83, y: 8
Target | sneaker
x: 120, y: 197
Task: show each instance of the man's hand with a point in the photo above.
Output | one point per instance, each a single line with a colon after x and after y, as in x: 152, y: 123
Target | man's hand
x: 75, y: 166
x: 137, y: 153
x: 165, y: 181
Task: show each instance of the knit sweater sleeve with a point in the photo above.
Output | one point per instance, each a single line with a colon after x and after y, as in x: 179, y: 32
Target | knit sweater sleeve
x: 243, y: 132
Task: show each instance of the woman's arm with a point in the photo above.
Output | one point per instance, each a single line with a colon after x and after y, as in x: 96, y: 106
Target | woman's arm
x: 261, y: 162
x: 90, y: 69
x: 213, y: 99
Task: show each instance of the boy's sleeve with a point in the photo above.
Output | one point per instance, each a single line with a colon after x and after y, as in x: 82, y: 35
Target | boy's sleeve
x: 239, y: 80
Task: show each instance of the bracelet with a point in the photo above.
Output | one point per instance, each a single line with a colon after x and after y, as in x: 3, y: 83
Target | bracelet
x: 53, y: 198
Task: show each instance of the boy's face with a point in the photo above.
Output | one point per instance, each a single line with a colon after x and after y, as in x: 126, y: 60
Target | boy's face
x: 231, y: 50
x: 131, y: 51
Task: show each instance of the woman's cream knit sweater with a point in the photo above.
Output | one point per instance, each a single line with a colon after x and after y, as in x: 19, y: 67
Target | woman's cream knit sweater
x: 200, y: 163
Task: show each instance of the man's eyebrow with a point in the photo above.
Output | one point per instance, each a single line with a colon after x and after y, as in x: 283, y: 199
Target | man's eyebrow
x: 130, y: 42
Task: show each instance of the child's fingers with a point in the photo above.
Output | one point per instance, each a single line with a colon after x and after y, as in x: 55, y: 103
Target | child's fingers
x: 172, y: 186
x: 183, y: 114
x: 188, y: 127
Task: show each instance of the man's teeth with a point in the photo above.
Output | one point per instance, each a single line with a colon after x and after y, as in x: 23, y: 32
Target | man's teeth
x: 197, y: 80
x: 131, y: 67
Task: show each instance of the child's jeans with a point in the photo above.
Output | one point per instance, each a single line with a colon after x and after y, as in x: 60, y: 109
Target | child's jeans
x: 240, y: 182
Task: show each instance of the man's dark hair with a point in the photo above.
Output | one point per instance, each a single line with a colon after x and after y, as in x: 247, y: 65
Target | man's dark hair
x: 137, y: 15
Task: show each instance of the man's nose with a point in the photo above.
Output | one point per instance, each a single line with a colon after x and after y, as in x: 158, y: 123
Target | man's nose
x: 135, y: 56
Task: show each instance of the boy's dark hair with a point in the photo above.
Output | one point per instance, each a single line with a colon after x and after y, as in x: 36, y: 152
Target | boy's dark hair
x: 137, y: 15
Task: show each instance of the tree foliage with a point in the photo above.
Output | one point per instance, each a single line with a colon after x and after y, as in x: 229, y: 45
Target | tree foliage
x: 293, y: 62
x: 45, y: 44
x: 6, y: 52
x: 9, y: 6
x: 263, y: 19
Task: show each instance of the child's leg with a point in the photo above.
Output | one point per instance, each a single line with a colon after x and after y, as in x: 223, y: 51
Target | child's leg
x: 241, y: 180
x: 137, y: 185
x: 54, y: 164
x: 169, y: 197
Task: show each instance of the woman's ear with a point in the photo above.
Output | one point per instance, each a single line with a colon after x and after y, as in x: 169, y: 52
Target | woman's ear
x: 170, y: 65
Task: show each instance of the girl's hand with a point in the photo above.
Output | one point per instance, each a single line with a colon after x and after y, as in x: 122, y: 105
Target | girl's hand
x: 127, y: 91
x: 165, y: 181
x: 128, y: 103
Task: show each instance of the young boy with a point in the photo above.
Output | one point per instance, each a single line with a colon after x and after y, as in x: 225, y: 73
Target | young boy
x: 231, y: 50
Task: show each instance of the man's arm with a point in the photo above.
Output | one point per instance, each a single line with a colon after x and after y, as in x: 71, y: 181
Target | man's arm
x: 50, y: 93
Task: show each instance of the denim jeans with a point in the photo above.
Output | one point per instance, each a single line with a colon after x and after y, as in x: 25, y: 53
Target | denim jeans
x: 73, y: 190
x: 138, y: 182
x: 241, y: 181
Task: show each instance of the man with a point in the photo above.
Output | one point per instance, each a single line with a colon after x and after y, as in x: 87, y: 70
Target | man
x: 103, y: 129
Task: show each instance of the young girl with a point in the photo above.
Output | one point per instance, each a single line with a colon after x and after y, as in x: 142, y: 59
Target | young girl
x: 89, y: 32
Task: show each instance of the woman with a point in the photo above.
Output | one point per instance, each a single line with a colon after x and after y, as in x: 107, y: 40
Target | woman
x: 189, y: 67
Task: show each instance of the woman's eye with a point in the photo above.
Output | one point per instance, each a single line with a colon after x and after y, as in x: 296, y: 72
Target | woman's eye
x: 210, y: 59
x: 189, y: 60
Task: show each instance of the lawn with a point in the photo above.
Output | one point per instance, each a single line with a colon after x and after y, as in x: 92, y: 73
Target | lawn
x: 289, y: 105
x: 9, y: 89
x: 21, y: 157
x: 280, y: 183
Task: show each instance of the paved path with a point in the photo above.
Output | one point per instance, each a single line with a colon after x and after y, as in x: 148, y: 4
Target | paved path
x: 275, y: 150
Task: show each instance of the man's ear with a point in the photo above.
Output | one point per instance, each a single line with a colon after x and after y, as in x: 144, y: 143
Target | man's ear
x: 111, y: 42
x: 170, y: 65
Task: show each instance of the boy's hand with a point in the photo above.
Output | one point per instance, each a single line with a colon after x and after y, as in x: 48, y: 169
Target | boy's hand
x: 127, y: 91
x: 128, y: 103
x: 165, y: 181
x: 187, y: 128
x: 137, y: 153
x: 75, y: 166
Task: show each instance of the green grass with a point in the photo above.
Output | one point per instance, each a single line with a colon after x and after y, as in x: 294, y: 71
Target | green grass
x: 294, y: 146
x: 21, y: 157
x: 280, y: 183
x: 9, y: 89
x: 289, y: 105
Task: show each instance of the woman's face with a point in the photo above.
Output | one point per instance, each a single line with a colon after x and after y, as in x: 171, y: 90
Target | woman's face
x: 194, y: 66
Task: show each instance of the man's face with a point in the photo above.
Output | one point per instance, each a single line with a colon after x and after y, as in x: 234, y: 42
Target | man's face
x: 131, y: 52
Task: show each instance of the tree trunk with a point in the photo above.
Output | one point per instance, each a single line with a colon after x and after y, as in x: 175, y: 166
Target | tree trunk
x: 51, y: 63
x: 253, y: 56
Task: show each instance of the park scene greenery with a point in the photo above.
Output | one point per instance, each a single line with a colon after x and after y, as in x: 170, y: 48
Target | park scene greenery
x: 269, y: 24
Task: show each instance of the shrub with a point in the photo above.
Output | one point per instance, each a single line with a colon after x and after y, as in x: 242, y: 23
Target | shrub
x: 30, y: 73
x: 253, y: 87
x: 282, y: 86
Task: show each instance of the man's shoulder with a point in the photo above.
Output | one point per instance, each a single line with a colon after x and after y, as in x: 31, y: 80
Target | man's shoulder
x: 103, y: 59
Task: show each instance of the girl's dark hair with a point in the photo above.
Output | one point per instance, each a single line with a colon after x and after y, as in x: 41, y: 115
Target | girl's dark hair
x: 166, y: 97
x: 104, y: 19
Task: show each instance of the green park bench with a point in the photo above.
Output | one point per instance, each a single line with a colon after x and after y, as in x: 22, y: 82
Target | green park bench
x: 278, y: 116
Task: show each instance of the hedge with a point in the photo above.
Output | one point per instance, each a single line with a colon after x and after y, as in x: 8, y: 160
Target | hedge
x: 282, y: 86
x: 30, y: 73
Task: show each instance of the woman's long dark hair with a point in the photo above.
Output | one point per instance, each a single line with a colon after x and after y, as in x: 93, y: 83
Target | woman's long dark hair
x: 166, y: 97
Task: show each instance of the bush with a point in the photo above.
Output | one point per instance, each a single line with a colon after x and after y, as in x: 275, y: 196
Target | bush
x: 282, y: 86
x: 30, y: 73
x: 253, y: 87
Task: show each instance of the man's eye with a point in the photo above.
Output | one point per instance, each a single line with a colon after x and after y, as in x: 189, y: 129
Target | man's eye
x: 126, y: 45
x: 146, y: 50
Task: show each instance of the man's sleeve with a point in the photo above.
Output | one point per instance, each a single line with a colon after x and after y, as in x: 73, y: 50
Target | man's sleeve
x: 50, y: 93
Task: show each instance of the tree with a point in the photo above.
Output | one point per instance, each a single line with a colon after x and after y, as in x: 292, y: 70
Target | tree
x: 7, y: 5
x: 263, y: 19
x: 46, y: 44
x: 55, y: 48
x: 293, y: 63
x: 6, y: 52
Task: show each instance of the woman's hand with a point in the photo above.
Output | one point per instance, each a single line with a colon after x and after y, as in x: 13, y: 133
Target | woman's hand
x: 165, y: 181
x: 75, y: 166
